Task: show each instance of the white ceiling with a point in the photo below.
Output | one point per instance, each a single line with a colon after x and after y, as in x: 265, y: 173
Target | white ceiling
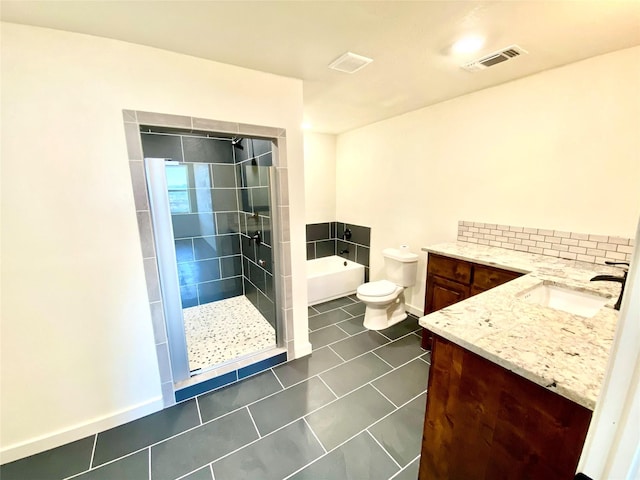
x: 409, y: 42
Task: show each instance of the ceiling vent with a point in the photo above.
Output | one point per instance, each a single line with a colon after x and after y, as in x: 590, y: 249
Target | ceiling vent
x: 494, y: 58
x: 350, y: 63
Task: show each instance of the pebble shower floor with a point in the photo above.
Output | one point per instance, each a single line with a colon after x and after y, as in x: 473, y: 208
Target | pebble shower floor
x: 221, y: 331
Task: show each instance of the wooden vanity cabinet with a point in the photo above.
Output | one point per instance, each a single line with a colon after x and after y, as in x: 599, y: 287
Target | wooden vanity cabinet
x: 484, y: 422
x: 450, y: 280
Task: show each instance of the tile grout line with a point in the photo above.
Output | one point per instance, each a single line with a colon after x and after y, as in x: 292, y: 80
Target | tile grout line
x: 254, y: 422
x: 278, y: 379
x: 198, y: 408
x: 315, y: 436
x: 149, y: 463
x: 213, y: 475
x: 93, y: 452
x: 385, y: 397
x: 384, y: 449
x: 327, y: 385
x: 404, y: 468
x: 76, y: 475
x: 383, y: 359
x: 338, y: 355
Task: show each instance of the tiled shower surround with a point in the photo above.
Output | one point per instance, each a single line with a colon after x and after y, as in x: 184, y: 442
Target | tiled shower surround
x: 328, y: 238
x: 204, y: 214
x: 281, y: 271
x: 554, y: 243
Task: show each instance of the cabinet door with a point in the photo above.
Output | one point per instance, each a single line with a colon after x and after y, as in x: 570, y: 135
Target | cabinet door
x: 485, y: 277
x: 442, y: 292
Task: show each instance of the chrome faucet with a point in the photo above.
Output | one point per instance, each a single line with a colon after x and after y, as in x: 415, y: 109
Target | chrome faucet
x: 610, y: 278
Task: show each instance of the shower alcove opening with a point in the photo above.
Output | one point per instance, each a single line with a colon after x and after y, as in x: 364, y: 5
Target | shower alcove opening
x: 212, y: 207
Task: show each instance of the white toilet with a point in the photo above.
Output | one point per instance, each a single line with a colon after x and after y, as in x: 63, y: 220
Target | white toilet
x: 385, y: 298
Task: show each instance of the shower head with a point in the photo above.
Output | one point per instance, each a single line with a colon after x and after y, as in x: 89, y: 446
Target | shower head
x: 235, y: 141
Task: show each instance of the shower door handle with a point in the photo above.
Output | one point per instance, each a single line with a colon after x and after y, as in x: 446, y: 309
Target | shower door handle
x: 257, y: 237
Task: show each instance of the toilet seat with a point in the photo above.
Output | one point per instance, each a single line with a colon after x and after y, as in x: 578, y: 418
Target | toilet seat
x: 381, y: 288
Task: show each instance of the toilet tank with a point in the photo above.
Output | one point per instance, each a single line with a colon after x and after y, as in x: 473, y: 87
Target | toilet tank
x: 401, y: 266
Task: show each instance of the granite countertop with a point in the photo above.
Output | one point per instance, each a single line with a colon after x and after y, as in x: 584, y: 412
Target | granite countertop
x: 560, y: 351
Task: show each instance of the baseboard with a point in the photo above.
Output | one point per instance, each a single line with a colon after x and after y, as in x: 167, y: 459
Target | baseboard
x: 76, y: 432
x: 414, y: 310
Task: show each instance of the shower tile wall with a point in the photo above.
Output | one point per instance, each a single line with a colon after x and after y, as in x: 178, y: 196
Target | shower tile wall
x: 204, y: 215
x: 253, y: 157
x: 325, y: 239
x: 132, y: 122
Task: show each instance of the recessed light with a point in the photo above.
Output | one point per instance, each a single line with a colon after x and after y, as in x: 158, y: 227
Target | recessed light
x: 468, y: 44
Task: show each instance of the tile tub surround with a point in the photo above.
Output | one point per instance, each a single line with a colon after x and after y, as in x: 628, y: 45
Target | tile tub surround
x: 218, y: 332
x: 321, y: 416
x: 562, y: 352
x: 326, y: 239
x: 584, y: 247
x: 132, y: 121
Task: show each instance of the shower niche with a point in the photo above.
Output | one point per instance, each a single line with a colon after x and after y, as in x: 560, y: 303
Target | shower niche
x: 215, y: 209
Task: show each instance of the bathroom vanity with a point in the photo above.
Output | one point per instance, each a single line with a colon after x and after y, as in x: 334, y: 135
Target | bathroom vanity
x: 513, y: 382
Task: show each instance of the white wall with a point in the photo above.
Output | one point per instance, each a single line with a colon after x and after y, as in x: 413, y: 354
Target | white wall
x: 77, y: 342
x: 556, y: 150
x: 320, y: 177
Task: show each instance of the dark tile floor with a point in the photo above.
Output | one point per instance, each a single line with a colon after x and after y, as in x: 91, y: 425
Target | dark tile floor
x: 351, y: 410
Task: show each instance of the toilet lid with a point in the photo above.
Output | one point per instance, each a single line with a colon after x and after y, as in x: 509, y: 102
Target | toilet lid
x: 377, y: 289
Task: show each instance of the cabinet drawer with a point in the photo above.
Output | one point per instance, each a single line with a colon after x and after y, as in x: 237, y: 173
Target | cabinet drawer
x: 449, y: 268
x: 485, y: 278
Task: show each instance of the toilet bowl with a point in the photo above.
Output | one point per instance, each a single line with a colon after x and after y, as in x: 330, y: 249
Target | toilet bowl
x: 384, y: 299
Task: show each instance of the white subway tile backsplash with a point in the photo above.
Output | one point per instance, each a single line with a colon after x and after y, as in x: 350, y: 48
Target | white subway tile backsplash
x: 619, y: 240
x: 569, y: 241
x: 616, y: 256
x: 598, y: 238
x: 570, y: 245
x: 607, y: 246
x: 587, y: 243
x: 625, y: 249
x: 580, y: 236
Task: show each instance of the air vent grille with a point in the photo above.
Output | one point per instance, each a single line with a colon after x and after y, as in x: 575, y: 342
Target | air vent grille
x: 494, y: 58
x: 350, y: 63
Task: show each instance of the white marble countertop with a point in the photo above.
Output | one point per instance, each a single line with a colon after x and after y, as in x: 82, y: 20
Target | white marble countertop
x: 560, y: 351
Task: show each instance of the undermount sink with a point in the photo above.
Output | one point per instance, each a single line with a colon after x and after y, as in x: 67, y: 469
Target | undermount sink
x: 567, y: 300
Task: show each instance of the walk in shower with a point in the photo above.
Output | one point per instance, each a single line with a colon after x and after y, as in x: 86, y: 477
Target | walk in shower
x: 211, y: 202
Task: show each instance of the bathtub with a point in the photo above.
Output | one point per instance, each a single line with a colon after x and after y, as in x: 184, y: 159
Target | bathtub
x: 329, y: 278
